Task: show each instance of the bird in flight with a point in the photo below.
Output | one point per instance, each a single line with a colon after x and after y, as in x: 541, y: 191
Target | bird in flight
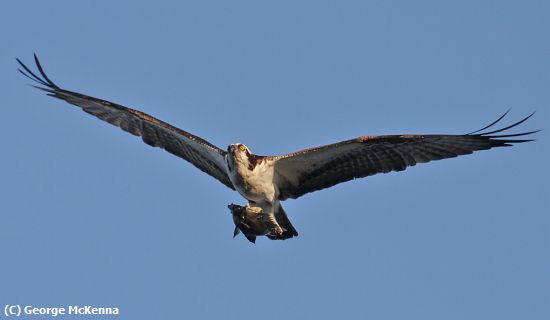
x: 265, y: 181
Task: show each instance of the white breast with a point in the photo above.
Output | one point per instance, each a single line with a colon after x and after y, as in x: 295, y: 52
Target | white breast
x: 255, y: 185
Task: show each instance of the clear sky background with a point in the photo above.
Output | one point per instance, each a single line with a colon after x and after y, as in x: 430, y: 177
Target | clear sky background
x: 90, y: 215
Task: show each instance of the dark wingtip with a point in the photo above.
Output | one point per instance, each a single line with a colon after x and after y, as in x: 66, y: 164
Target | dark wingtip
x: 508, y: 127
x: 39, y: 66
x: 516, y: 134
x: 492, y: 123
x: 26, y: 75
x: 27, y: 72
x: 502, y: 140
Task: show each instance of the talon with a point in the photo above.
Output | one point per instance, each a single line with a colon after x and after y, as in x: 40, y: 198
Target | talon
x: 278, y: 230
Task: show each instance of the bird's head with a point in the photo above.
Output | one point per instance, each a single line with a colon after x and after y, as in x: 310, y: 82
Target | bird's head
x: 239, y: 152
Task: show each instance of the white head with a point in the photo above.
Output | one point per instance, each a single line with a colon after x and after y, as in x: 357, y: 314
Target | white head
x: 238, y: 153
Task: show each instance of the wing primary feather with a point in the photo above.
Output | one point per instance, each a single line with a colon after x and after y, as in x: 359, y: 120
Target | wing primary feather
x: 508, y: 127
x: 26, y: 75
x: 492, y: 124
x: 515, y: 134
x: 47, y: 89
x: 39, y: 66
x: 505, y: 142
x: 30, y: 73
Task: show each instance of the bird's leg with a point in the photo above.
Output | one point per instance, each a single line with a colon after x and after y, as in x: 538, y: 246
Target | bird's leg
x: 269, y: 218
x: 275, y: 228
x: 264, y: 212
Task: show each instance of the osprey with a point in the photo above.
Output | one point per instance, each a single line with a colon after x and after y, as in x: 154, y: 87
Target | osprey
x: 265, y: 181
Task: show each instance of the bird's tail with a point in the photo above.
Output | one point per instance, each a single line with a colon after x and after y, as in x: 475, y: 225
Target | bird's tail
x: 282, y: 219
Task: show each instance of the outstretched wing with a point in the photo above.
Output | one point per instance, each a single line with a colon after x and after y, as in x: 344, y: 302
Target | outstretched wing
x: 317, y: 168
x: 197, y: 151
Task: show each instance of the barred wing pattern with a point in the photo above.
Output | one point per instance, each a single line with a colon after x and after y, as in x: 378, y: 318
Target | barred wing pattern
x: 322, y: 167
x: 199, y: 152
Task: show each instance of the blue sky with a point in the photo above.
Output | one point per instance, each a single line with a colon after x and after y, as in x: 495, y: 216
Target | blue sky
x: 92, y: 216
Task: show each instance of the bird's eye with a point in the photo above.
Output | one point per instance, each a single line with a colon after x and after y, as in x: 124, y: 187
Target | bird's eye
x: 242, y: 148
